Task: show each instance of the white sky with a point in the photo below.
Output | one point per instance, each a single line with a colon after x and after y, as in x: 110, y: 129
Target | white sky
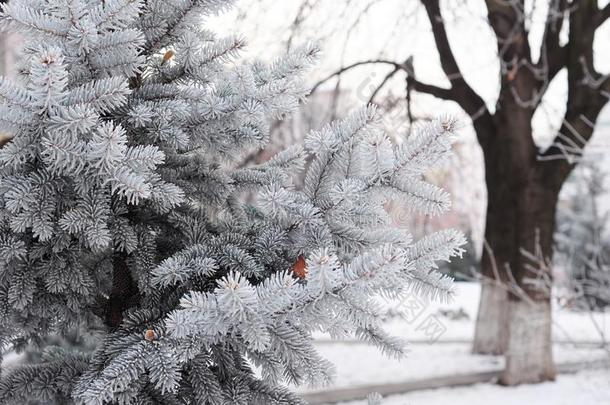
x: 396, y: 29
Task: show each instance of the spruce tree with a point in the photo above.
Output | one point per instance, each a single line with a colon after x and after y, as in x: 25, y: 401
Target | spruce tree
x: 127, y: 223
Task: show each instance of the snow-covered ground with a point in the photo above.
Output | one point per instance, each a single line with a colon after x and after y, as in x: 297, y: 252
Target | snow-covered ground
x: 444, y: 350
x: 584, y: 388
x: 567, y: 325
x: 360, y: 364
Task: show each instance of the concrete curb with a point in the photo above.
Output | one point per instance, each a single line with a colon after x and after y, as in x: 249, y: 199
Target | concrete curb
x: 361, y: 392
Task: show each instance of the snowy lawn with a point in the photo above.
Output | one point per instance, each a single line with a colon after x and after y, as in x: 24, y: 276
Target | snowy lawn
x: 446, y: 351
x: 584, y: 388
x: 360, y: 364
x: 567, y: 325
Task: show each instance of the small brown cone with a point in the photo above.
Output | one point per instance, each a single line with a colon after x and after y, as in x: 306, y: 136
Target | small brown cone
x: 168, y: 55
x: 149, y: 335
x: 299, y: 268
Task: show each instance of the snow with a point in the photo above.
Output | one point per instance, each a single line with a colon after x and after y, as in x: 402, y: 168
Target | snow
x: 360, y: 364
x: 584, y: 388
x: 449, y: 353
x: 568, y: 326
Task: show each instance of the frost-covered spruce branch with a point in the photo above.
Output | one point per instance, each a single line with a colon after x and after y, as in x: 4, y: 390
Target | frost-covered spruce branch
x: 125, y: 216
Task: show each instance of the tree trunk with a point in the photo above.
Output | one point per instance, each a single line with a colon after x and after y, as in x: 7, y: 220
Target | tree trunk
x: 504, y: 178
x: 499, y: 252
x: 491, y: 330
x: 522, y: 197
x: 518, y: 323
x: 529, y: 357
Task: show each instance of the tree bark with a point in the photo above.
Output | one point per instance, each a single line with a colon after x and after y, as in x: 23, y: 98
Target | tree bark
x: 522, y: 198
x: 491, y: 329
x: 499, y: 254
x: 508, y: 161
x: 517, y: 323
x: 529, y: 357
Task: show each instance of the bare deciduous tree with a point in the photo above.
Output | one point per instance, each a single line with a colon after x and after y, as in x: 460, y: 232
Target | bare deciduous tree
x: 523, y: 180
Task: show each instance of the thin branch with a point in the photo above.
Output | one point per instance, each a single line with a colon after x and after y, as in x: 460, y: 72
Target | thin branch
x: 460, y: 91
x: 438, y: 92
x: 603, y: 15
x: 382, y: 84
x: 593, y: 79
x: 297, y: 22
x: 352, y: 66
x: 507, y: 19
x: 588, y: 93
x: 448, y: 62
x: 553, y: 56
